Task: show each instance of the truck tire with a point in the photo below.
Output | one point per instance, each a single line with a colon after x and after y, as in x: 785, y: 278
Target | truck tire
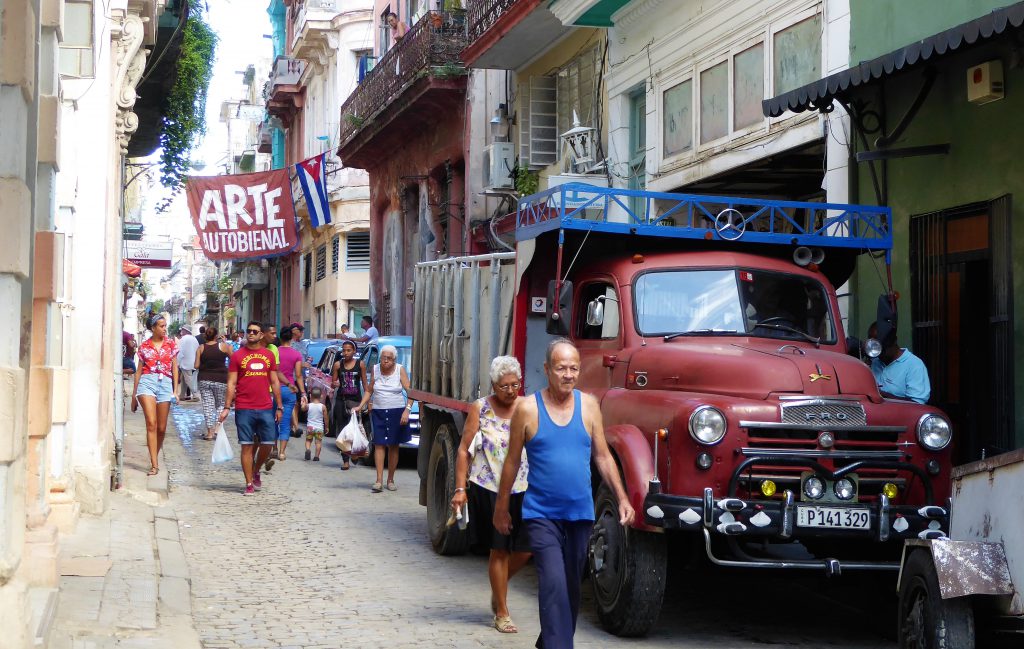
x: 926, y: 621
x: 447, y: 541
x: 627, y: 570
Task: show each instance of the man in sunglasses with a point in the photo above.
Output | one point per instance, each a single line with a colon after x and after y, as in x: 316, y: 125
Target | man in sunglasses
x: 252, y: 381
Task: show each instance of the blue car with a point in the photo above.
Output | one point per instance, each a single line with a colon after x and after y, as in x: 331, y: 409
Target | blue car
x: 371, y: 356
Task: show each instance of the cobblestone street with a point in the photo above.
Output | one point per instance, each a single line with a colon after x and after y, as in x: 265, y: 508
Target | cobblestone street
x: 317, y: 560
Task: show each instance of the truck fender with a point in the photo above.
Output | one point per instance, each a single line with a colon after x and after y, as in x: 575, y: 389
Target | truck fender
x: 431, y: 418
x: 964, y: 567
x: 636, y: 461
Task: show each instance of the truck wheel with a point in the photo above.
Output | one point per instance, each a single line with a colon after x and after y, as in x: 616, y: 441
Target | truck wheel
x: 446, y: 540
x: 926, y: 621
x: 627, y: 570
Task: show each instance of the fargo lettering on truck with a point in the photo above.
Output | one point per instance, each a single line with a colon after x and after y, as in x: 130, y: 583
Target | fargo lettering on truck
x: 709, y: 331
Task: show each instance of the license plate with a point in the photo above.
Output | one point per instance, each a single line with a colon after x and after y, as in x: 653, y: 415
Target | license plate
x: 836, y: 517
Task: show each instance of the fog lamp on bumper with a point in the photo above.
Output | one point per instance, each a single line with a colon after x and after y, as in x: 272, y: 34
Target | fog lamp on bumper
x: 814, y: 488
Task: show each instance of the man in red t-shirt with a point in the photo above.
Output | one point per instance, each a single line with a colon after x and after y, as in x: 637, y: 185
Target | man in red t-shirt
x: 252, y: 377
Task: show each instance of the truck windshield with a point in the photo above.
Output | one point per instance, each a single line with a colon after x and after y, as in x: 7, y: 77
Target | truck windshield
x: 732, y: 301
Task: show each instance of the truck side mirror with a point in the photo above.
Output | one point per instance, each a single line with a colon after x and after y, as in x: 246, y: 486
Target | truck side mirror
x: 595, y: 313
x: 559, y: 311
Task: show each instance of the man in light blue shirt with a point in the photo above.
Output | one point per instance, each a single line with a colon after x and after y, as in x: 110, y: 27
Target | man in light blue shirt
x: 370, y: 333
x: 898, y: 373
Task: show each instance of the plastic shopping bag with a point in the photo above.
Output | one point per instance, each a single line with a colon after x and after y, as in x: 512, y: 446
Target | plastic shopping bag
x: 222, y: 451
x: 347, y: 434
x: 360, y: 445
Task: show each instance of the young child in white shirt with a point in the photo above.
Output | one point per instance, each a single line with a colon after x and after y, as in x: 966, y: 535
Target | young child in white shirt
x: 316, y: 422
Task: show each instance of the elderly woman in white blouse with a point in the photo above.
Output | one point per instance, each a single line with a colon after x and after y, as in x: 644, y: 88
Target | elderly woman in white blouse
x: 387, y: 392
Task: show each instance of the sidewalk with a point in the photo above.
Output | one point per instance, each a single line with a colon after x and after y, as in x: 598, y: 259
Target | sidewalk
x: 124, y: 579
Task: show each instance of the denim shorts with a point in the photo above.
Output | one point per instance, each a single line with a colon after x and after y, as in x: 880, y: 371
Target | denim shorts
x: 157, y: 386
x: 256, y: 426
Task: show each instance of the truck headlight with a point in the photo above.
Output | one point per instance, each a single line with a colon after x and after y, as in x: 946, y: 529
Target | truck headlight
x: 707, y: 425
x: 934, y: 432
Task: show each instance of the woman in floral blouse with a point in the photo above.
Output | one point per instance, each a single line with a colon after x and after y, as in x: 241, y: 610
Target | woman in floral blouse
x: 480, y: 469
x: 156, y: 383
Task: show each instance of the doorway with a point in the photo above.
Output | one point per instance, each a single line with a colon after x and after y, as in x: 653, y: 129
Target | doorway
x: 962, y: 320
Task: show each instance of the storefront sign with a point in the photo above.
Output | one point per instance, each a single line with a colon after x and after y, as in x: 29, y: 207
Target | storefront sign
x: 245, y: 216
x: 149, y: 254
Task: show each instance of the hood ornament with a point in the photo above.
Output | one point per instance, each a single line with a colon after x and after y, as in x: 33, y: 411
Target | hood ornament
x: 818, y: 375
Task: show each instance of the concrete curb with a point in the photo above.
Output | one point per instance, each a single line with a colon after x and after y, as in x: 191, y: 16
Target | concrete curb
x: 174, y: 583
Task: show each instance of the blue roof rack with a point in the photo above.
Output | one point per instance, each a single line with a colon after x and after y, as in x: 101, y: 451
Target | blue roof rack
x: 579, y: 206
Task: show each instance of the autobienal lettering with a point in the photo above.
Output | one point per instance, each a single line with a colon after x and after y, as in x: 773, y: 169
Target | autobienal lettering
x: 225, y: 212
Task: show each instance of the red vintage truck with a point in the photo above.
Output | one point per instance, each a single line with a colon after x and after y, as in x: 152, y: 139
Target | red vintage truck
x: 709, y: 329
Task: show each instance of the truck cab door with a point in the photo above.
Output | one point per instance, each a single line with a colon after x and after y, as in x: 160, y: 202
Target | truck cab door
x: 597, y: 338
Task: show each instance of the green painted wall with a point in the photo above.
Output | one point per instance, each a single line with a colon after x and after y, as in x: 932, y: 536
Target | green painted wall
x: 881, y: 26
x: 985, y: 163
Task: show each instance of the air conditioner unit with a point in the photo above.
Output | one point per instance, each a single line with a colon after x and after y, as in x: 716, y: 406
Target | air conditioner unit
x: 499, y: 159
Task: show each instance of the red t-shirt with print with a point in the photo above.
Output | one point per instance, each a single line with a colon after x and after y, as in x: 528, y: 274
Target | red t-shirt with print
x: 252, y: 392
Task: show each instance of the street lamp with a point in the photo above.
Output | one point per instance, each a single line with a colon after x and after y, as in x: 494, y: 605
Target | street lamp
x: 578, y: 143
x: 499, y: 124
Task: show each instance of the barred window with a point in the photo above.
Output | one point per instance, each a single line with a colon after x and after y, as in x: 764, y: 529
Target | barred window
x: 321, y: 262
x: 357, y: 251
x: 335, y: 252
x: 307, y: 270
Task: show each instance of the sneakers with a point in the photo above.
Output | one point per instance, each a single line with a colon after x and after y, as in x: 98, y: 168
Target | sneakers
x: 249, y: 490
x: 256, y: 482
x: 307, y: 454
x: 316, y: 459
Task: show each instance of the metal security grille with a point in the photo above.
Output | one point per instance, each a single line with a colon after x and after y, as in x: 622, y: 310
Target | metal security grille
x: 321, y: 262
x: 357, y: 251
x: 335, y: 252
x: 307, y: 270
x: 833, y: 414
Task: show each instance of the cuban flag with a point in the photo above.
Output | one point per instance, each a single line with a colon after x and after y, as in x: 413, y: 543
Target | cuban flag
x: 312, y: 175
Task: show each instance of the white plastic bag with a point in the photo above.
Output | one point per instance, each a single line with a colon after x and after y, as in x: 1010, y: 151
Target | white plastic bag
x: 360, y: 445
x: 222, y: 451
x: 347, y: 434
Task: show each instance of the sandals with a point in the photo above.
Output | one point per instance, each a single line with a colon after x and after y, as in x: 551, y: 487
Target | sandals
x: 376, y: 488
x: 504, y: 624
x: 392, y: 486
x: 153, y: 471
x: 345, y: 466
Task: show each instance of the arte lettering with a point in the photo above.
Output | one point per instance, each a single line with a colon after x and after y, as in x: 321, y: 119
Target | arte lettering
x: 226, y: 209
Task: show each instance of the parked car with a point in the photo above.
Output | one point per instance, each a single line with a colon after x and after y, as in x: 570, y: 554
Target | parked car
x: 371, y: 356
x: 319, y: 376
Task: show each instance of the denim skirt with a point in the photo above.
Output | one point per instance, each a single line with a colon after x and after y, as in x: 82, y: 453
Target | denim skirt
x: 387, y: 427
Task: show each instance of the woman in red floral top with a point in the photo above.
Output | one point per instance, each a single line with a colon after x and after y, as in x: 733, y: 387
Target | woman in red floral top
x: 156, y: 383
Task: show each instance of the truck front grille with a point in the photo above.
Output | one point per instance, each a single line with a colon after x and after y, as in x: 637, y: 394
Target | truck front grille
x: 828, y: 413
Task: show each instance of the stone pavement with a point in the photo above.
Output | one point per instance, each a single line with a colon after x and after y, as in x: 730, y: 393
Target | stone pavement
x: 124, y: 580
x: 317, y: 560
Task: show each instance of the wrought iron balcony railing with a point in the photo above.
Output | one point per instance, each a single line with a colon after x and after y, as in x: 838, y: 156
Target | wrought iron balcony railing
x: 481, y: 14
x: 431, y: 47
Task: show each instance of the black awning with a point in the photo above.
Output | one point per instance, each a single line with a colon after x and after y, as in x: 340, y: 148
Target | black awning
x: 821, y: 93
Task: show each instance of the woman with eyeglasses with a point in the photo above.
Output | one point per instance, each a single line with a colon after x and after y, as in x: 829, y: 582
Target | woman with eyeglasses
x: 387, y: 392
x: 156, y: 383
x: 479, y: 469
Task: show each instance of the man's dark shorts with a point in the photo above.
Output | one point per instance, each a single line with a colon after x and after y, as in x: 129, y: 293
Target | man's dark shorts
x: 256, y: 426
x: 127, y: 364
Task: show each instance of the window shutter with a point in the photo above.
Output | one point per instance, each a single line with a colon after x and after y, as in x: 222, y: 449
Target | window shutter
x: 357, y: 251
x: 335, y: 252
x: 538, y: 133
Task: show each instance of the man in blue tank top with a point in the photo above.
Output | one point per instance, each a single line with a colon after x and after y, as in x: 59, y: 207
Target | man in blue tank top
x: 562, y: 432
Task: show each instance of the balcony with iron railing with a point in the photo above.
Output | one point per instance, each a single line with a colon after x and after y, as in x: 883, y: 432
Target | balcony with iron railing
x: 420, y: 77
x: 283, y: 92
x: 507, y: 34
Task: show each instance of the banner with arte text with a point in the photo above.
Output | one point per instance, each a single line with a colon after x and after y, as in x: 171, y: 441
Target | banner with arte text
x: 245, y: 216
